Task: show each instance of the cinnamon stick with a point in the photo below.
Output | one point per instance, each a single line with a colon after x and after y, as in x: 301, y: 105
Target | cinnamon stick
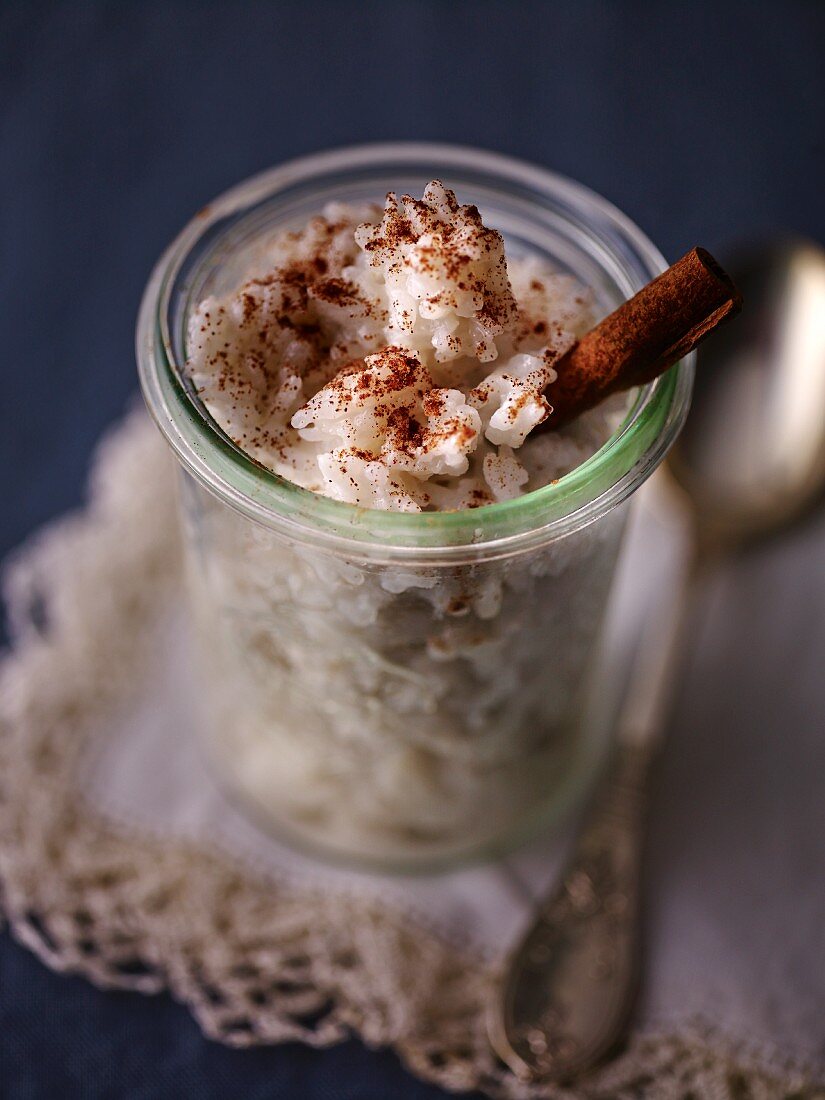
x: 644, y: 336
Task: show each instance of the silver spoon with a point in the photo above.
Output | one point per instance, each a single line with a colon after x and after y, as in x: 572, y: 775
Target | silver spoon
x: 750, y: 460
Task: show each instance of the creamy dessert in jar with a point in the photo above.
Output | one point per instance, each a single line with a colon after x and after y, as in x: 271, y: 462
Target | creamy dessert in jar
x: 396, y: 360
x: 402, y: 494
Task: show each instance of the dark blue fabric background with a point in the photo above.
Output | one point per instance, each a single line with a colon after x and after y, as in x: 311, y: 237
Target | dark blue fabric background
x: 704, y: 121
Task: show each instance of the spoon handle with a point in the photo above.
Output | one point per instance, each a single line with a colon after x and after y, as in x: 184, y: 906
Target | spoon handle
x: 576, y: 973
x: 570, y: 984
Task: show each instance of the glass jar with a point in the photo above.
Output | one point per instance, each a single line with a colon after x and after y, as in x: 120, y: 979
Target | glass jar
x: 397, y: 689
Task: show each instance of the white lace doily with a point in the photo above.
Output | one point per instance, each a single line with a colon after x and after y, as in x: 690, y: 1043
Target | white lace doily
x: 263, y: 947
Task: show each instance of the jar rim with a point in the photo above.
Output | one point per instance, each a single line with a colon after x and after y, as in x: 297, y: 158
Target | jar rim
x: 495, y: 530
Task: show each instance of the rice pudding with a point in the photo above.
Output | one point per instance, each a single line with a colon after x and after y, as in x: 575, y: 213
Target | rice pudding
x: 398, y: 564
x: 395, y: 359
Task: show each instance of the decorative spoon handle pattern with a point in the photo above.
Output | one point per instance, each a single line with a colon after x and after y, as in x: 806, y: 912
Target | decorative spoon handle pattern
x: 573, y: 978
